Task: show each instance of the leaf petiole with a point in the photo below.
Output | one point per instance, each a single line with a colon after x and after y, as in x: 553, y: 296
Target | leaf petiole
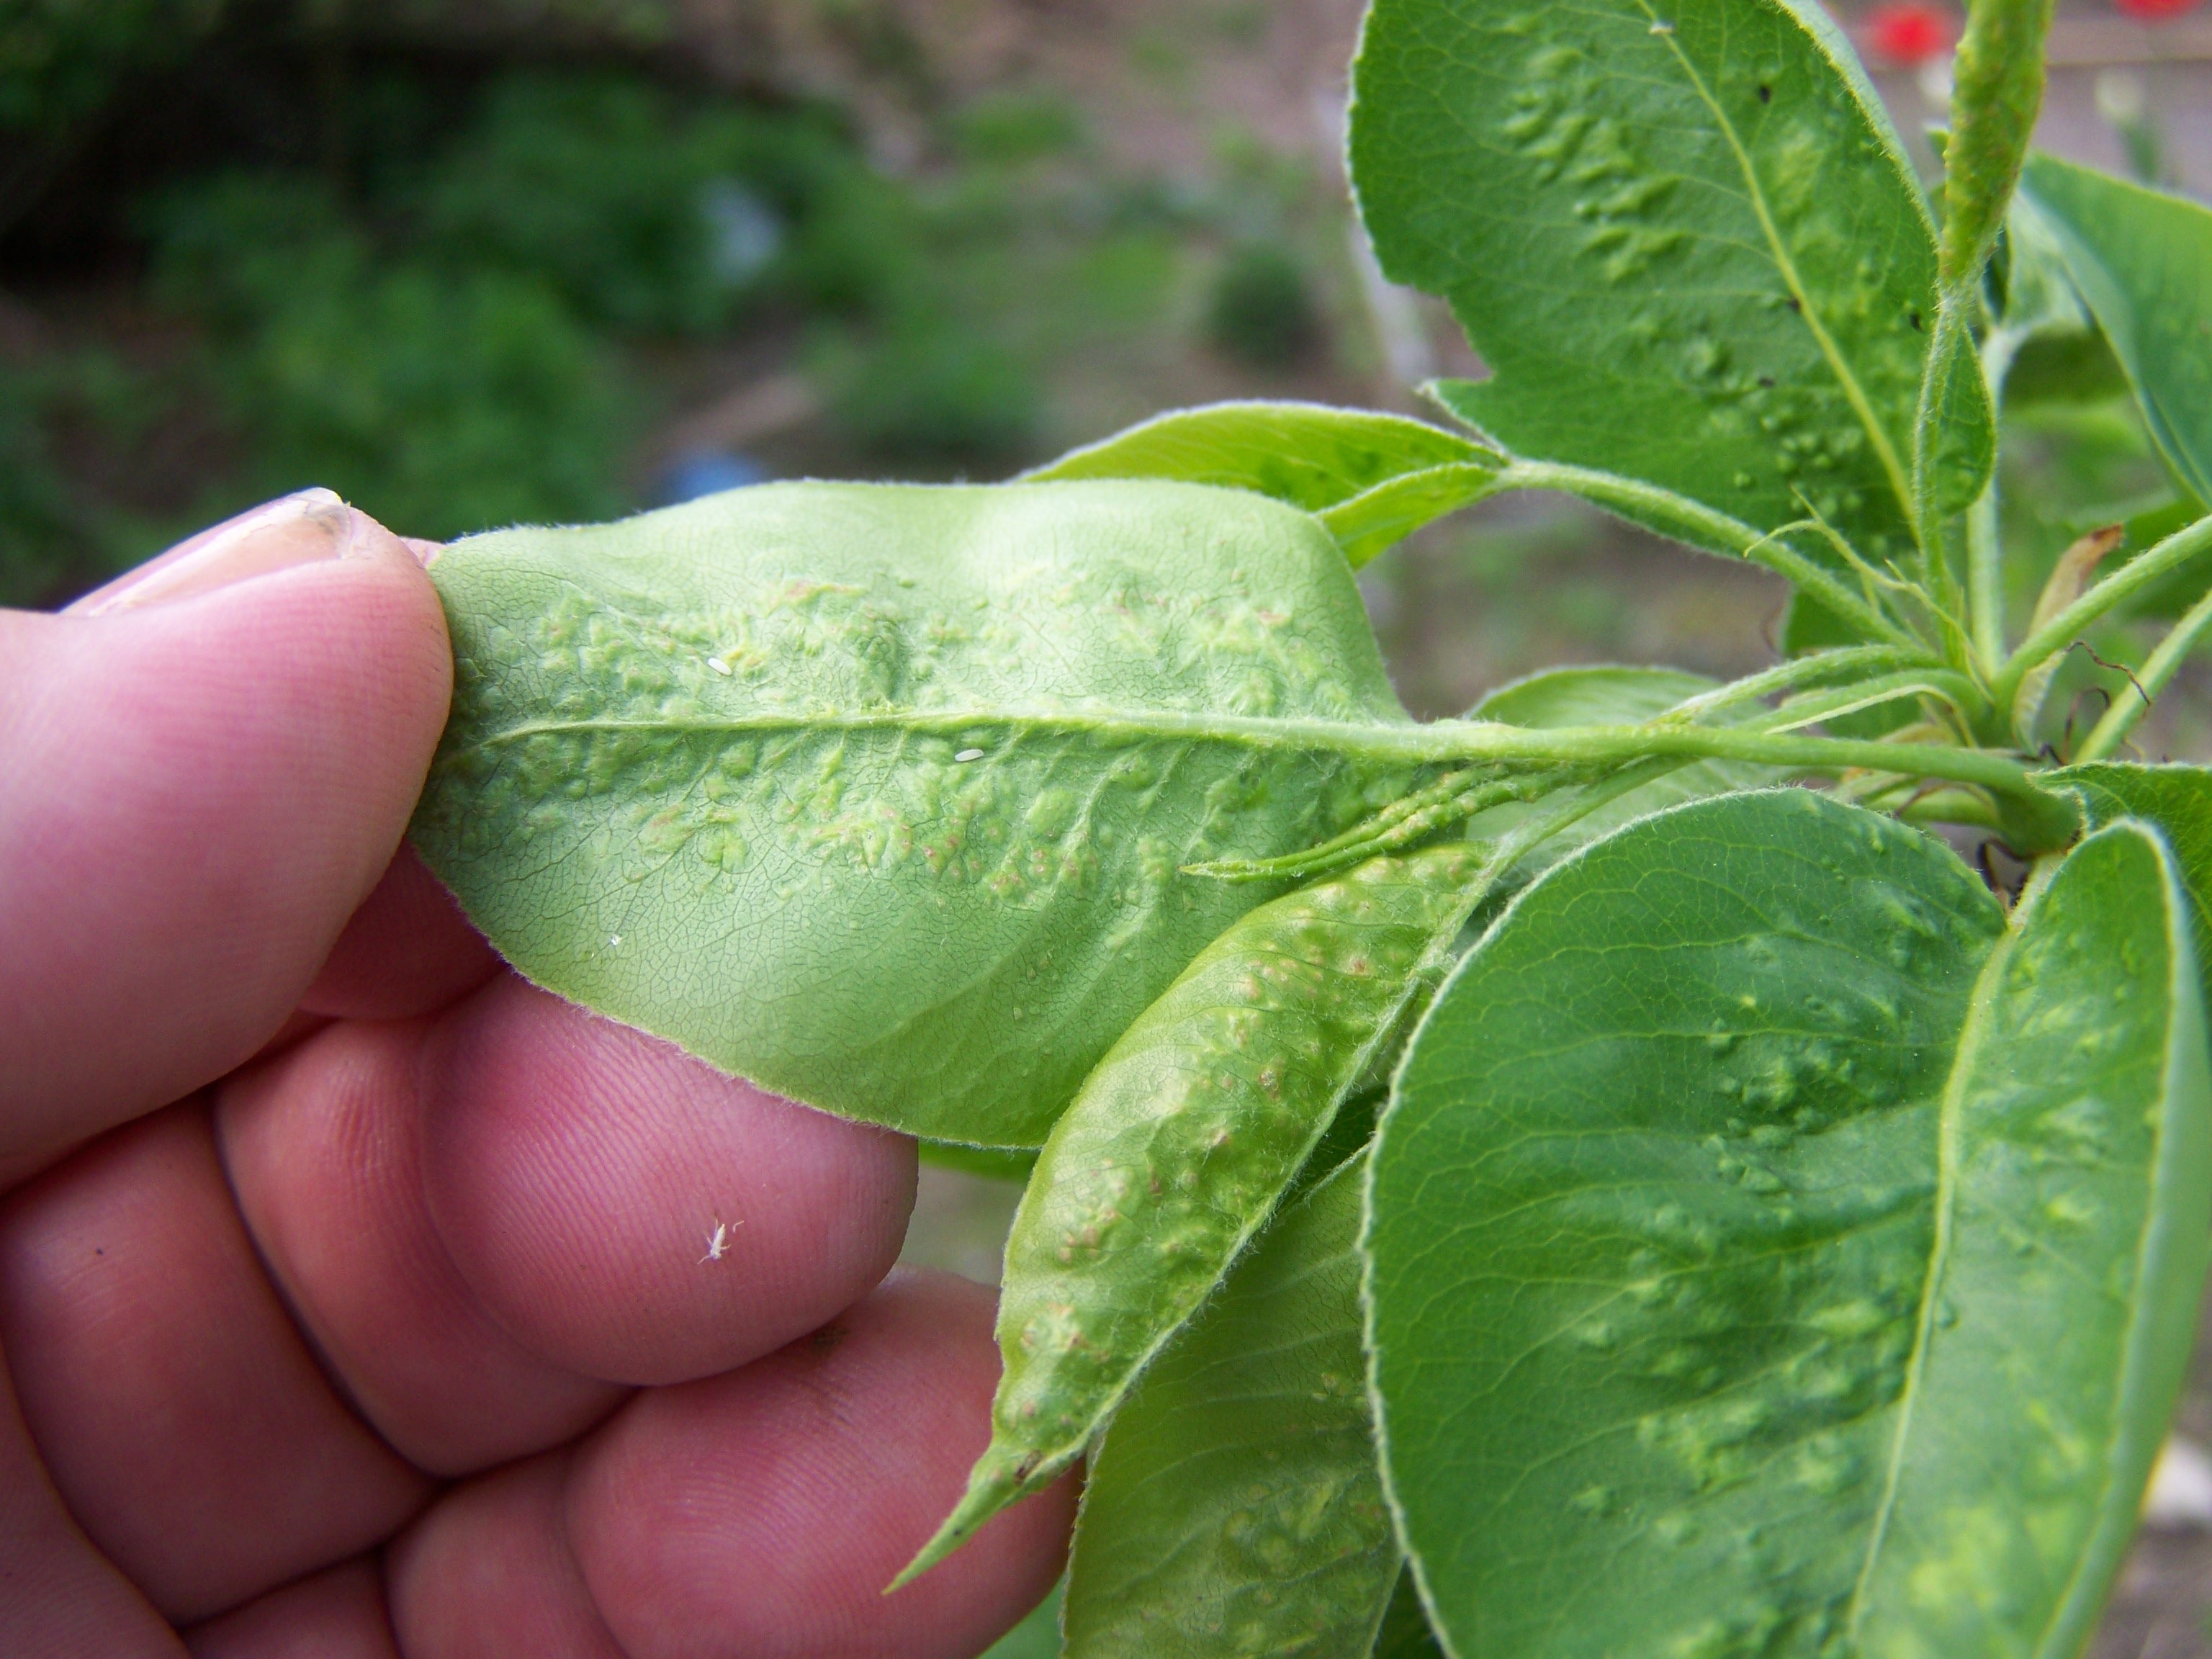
x: 2045, y: 821
x: 1985, y: 546
x: 1694, y: 522
x: 1797, y: 673
x: 1956, y: 690
x: 1948, y: 806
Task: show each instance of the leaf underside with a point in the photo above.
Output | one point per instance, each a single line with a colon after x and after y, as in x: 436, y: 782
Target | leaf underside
x: 1685, y: 241
x: 1235, y: 1507
x: 878, y: 795
x: 1771, y: 1255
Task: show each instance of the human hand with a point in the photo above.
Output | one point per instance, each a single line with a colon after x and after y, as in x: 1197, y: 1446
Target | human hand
x: 350, y: 1288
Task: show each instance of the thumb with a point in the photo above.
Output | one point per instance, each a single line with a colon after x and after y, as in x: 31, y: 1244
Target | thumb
x: 208, y: 765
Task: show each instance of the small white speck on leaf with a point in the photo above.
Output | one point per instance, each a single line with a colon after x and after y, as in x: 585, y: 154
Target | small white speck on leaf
x: 613, y: 940
x: 1663, y: 28
x: 718, y: 665
x: 968, y: 755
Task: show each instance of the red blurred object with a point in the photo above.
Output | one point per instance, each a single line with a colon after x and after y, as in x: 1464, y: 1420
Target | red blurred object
x: 1907, y: 36
x: 2156, y: 11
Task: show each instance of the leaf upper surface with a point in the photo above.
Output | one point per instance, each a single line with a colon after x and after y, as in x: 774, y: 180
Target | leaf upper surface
x: 1235, y: 1507
x: 1372, y: 478
x: 2176, y: 799
x: 1684, y: 238
x: 1771, y: 1255
x: 2074, y: 1201
x: 878, y: 795
x: 2143, y: 259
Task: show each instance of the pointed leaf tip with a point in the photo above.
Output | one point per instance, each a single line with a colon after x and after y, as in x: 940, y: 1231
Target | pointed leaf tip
x: 991, y: 1485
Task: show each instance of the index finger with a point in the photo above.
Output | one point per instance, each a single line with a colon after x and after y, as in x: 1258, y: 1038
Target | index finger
x: 203, y: 782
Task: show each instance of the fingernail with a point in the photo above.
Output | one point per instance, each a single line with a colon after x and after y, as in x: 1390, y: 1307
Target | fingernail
x: 306, y: 528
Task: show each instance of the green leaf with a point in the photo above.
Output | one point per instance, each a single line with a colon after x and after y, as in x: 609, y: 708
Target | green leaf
x: 1772, y: 1254
x: 1607, y: 696
x: 878, y: 795
x: 1375, y: 522
x: 1037, y: 1637
x: 1372, y: 478
x: 2039, y: 296
x: 1996, y: 92
x: 1182, y: 1143
x: 2065, y: 368
x: 992, y: 1162
x: 1684, y: 239
x: 1235, y: 1507
x: 1405, y: 1633
x: 2143, y: 259
x: 2176, y: 799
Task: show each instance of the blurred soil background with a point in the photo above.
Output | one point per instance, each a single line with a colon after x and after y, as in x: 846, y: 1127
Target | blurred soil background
x: 472, y: 262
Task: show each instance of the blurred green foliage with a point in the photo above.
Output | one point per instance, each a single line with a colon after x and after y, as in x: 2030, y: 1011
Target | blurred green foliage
x: 649, y: 216
x: 60, y: 60
x: 447, y: 330
x: 38, y: 520
x: 473, y: 285
x: 442, y: 395
x: 1262, y: 312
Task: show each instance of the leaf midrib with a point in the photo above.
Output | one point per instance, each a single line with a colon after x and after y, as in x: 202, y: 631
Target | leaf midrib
x: 1861, y: 406
x: 1406, y: 742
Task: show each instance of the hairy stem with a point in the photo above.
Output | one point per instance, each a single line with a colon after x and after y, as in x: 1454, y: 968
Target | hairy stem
x: 1956, y: 690
x: 2123, y: 584
x: 1798, y: 671
x: 1948, y: 806
x: 1951, y: 337
x: 1693, y: 521
x: 1984, y: 549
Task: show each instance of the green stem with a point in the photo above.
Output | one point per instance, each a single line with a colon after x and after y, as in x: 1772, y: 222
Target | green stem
x: 2044, y: 820
x: 1954, y: 305
x: 1791, y: 674
x: 2131, y: 705
x: 1985, y: 550
x: 1961, y: 693
x: 1949, y: 806
x: 1694, y: 522
x: 2130, y: 579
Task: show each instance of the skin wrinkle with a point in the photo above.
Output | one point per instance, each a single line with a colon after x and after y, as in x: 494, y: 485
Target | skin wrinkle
x: 205, y: 1452
x: 444, y: 1385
